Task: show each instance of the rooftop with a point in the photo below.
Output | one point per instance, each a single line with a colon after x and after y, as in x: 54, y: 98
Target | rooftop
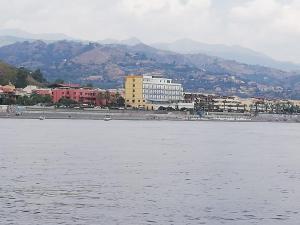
x: 64, y: 86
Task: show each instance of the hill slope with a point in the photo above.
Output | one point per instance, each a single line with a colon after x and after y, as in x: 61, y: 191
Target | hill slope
x: 20, y: 77
x: 106, y: 66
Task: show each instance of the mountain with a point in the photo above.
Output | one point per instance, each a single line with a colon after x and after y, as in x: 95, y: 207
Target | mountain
x: 107, y: 65
x: 11, y: 36
x: 130, y: 42
x: 8, y: 40
x: 237, y: 53
x: 26, y: 35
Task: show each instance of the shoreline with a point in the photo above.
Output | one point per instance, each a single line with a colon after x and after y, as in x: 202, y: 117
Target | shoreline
x: 60, y: 114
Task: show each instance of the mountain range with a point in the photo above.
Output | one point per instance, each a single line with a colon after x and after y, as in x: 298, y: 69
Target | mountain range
x: 30, y: 36
x: 237, y: 53
x: 182, y: 46
x: 106, y: 65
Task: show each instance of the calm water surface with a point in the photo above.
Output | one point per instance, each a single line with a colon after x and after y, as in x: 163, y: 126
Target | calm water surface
x: 129, y: 172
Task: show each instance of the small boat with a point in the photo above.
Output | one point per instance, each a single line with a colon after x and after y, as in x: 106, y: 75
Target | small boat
x: 42, y: 118
x: 107, y: 118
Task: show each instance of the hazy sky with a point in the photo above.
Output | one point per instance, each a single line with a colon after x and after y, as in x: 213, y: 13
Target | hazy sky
x: 269, y: 26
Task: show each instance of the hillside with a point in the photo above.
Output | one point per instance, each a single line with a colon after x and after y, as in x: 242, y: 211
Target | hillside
x: 107, y: 65
x: 20, y: 77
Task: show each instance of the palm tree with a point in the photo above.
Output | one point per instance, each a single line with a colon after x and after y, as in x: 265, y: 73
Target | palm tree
x: 107, y: 97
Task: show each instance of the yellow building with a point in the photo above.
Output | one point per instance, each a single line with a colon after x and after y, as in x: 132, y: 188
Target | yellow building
x: 134, y: 92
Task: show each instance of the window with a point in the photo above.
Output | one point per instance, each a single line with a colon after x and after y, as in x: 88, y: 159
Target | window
x: 133, y: 85
x: 133, y: 96
x: 133, y: 90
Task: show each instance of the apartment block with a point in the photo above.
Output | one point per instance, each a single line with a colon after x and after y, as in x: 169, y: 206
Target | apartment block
x: 148, y: 91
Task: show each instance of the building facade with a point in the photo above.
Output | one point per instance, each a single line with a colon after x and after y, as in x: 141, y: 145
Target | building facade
x: 84, y: 96
x: 148, y: 90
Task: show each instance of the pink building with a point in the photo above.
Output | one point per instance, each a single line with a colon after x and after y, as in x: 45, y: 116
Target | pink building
x: 81, y: 95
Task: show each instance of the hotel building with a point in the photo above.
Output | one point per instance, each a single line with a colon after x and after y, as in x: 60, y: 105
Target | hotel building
x: 150, y: 91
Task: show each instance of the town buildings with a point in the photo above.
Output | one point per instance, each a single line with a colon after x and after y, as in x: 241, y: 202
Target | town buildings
x: 152, y: 91
x: 57, y: 92
x: 7, y: 92
x: 216, y: 103
x: 7, y: 89
x: 84, y: 95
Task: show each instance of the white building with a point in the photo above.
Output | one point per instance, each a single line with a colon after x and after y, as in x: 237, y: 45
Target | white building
x: 157, y: 89
x: 29, y: 89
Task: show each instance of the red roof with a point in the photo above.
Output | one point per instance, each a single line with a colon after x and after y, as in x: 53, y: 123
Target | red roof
x: 64, y: 86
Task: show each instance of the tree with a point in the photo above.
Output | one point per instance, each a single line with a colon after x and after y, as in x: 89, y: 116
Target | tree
x: 34, y: 99
x: 21, y: 80
x: 107, y: 96
x: 89, y: 85
x: 100, y: 98
x: 59, y: 81
x: 120, y: 101
x: 38, y: 76
x: 67, y: 102
x: 7, y: 100
x: 23, y: 100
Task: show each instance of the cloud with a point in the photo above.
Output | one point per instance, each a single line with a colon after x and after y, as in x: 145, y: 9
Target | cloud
x: 257, y: 11
x: 170, y: 7
x: 267, y: 25
x: 162, y: 20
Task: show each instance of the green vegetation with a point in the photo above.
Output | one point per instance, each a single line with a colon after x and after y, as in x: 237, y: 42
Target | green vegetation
x: 120, y: 102
x: 7, y: 73
x: 7, y: 101
x: 20, y: 77
x: 112, y: 101
x: 69, y: 103
x: 31, y: 100
x: 59, y: 81
x: 89, y: 85
x: 277, y: 108
x: 34, y: 99
x: 38, y: 76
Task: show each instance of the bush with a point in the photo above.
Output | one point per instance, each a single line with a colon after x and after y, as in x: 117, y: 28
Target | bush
x: 67, y: 102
